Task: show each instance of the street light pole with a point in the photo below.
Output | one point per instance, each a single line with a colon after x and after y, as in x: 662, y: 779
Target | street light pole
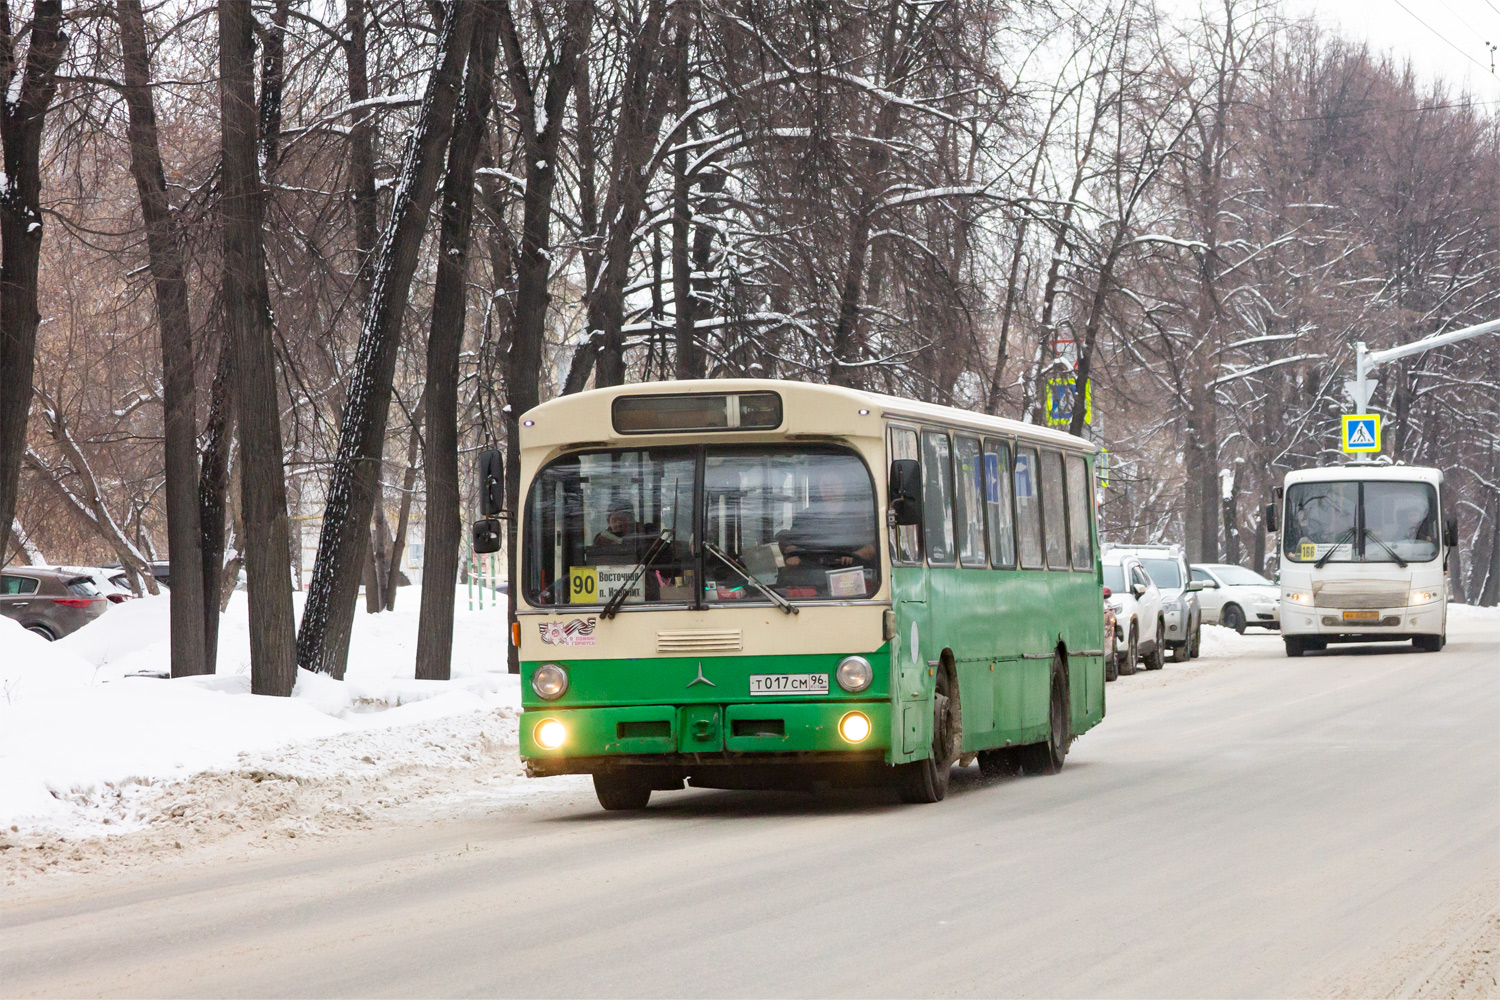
x: 1366, y: 359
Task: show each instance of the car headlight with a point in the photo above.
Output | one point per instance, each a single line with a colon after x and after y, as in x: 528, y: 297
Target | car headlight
x: 550, y: 734
x: 1117, y: 606
x: 1298, y: 597
x: 1423, y: 596
x: 854, y: 674
x: 550, y: 682
x: 1172, y: 605
x: 854, y: 727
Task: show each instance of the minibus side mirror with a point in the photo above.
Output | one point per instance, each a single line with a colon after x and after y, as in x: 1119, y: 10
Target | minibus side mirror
x: 1270, y: 517
x: 905, y: 491
x: 491, y: 484
x: 1450, y: 532
x: 486, y: 536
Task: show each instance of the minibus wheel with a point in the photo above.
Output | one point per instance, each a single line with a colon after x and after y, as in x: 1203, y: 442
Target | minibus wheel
x: 1429, y: 643
x: 927, y: 780
x: 618, y: 791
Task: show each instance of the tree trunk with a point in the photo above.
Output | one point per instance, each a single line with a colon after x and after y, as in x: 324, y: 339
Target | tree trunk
x: 179, y: 400
x: 403, y: 518
x: 361, y: 148
x: 213, y: 490
x: 267, y: 540
x: 323, y: 644
x: 440, y: 397
x: 21, y: 123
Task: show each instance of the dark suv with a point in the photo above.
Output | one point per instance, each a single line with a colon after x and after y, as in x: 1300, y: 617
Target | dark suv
x: 50, y: 602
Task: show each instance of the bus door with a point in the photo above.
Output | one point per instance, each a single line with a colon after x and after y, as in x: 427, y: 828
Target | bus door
x: 910, y: 588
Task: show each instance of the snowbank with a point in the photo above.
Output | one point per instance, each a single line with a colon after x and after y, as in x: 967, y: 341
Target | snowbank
x: 85, y: 717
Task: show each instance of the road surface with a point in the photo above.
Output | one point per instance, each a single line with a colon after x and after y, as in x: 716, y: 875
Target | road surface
x: 1246, y: 825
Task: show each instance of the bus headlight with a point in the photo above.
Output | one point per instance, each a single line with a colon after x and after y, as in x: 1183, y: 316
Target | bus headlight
x: 550, y: 682
x: 550, y: 734
x: 1422, y: 597
x: 854, y: 674
x: 854, y: 727
x: 1297, y: 597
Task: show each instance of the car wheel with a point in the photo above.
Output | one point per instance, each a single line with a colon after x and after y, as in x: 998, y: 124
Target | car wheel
x: 1112, y: 665
x: 1233, y: 617
x: 1128, y: 660
x: 43, y: 631
x: 1154, y: 658
x: 1180, y: 654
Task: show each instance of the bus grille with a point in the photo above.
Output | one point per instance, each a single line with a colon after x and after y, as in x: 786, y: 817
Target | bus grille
x: 686, y: 641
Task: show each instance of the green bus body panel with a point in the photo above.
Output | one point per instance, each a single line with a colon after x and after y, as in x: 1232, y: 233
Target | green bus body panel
x: 704, y: 728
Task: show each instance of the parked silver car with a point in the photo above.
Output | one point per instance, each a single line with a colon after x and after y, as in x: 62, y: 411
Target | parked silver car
x: 1182, y: 612
x: 50, y: 602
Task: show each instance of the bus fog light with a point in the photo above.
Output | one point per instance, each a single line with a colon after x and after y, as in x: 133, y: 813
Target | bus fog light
x: 1422, y: 597
x: 550, y: 734
x: 854, y: 675
x: 854, y: 727
x: 550, y: 681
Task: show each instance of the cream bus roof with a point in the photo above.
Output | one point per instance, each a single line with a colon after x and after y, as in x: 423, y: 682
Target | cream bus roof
x: 807, y: 408
x: 1368, y: 472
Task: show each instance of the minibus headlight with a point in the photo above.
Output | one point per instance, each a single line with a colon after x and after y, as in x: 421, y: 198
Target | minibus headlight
x: 854, y: 727
x: 550, y: 682
x: 1423, y: 597
x: 1298, y: 597
x: 854, y: 674
x: 550, y: 734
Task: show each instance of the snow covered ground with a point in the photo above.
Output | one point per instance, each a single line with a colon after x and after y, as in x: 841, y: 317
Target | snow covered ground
x: 90, y: 741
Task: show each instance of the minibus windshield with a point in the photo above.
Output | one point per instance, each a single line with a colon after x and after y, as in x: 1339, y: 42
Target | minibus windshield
x: 1369, y: 521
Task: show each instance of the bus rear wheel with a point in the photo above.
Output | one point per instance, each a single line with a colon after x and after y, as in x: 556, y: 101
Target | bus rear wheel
x: 621, y: 792
x: 1047, y: 757
x: 927, y: 780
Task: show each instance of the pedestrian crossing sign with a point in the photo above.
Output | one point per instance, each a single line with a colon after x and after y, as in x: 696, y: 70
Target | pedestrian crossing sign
x: 1361, y: 432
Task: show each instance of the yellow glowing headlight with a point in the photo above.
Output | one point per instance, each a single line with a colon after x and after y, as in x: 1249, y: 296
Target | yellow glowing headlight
x: 550, y: 734
x: 854, y: 727
x: 1422, y: 597
x: 1297, y: 597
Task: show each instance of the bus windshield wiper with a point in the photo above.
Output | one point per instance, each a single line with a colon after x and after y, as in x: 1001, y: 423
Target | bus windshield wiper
x: 1344, y: 539
x: 1381, y: 542
x: 612, y: 606
x: 734, y: 564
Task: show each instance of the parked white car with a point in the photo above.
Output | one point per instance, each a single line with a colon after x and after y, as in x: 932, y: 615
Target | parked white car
x: 1137, y: 604
x: 1236, y: 597
x: 1168, y: 568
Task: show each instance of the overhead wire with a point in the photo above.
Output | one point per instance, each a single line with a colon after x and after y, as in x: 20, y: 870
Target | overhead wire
x: 1451, y: 44
x: 1391, y: 111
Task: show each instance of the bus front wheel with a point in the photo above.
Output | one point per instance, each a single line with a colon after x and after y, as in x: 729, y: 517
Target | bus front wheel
x: 1429, y: 643
x: 621, y: 792
x: 1048, y: 757
x: 927, y: 780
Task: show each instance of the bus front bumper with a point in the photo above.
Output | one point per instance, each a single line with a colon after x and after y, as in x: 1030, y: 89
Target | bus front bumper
x: 1398, y: 623
x: 790, y: 732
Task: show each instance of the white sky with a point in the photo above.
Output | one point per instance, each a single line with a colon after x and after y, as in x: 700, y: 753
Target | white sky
x: 1451, y: 44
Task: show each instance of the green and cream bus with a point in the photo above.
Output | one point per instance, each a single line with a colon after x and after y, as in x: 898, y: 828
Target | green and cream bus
x: 767, y: 584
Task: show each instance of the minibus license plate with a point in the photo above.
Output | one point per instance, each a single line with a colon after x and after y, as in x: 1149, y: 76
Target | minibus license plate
x: 788, y: 684
x: 1361, y: 616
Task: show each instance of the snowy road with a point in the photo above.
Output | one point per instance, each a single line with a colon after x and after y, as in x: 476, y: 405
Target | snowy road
x: 1244, y: 825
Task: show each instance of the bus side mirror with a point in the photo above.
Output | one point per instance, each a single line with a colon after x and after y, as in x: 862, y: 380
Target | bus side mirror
x: 905, y: 491
x: 491, y: 484
x: 1271, y: 517
x: 1450, y: 532
x: 486, y: 536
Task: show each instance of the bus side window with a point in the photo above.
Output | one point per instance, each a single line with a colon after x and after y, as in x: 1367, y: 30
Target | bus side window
x: 906, y: 539
x: 937, y: 498
x: 968, y: 485
x: 1080, y: 538
x: 1053, y: 503
x: 1028, y: 512
x: 997, y: 504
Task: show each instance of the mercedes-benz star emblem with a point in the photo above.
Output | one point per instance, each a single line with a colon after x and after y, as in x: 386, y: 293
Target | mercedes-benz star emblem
x: 700, y: 679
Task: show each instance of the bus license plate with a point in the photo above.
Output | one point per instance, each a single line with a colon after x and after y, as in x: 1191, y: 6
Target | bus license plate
x: 1361, y: 616
x: 788, y: 684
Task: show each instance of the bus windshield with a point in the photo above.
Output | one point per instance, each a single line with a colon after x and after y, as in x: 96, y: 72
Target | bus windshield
x: 1372, y: 521
x: 798, y: 520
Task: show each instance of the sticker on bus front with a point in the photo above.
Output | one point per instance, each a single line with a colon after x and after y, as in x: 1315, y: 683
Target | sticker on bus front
x: 578, y: 632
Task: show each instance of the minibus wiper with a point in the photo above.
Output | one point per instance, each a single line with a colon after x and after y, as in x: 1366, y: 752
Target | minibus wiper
x: 729, y: 560
x: 612, y: 606
x: 1381, y: 542
x: 1344, y: 539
